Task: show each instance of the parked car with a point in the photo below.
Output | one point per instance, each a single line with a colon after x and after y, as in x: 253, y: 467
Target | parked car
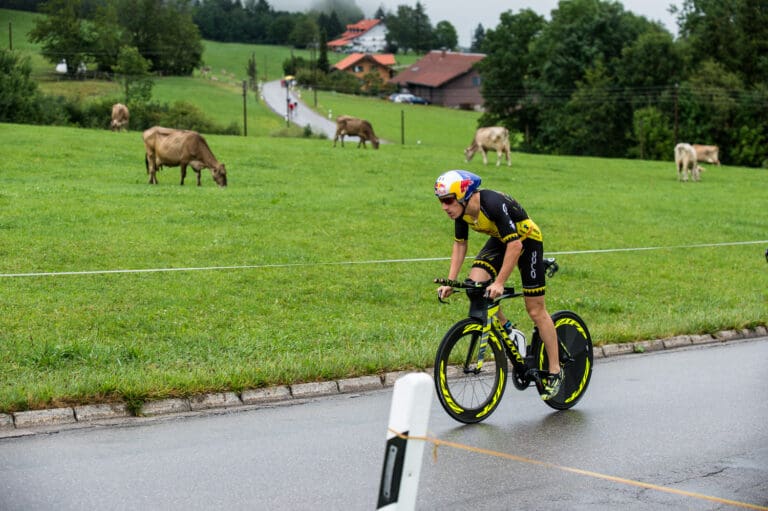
x: 408, y: 98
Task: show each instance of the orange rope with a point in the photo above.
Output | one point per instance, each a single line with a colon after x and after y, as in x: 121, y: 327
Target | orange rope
x: 437, y: 442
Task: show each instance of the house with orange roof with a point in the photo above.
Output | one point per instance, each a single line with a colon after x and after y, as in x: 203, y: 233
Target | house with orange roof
x: 361, y: 64
x: 365, y: 36
x: 444, y: 78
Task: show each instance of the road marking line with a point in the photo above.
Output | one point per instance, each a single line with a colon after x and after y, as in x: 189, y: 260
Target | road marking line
x: 437, y: 442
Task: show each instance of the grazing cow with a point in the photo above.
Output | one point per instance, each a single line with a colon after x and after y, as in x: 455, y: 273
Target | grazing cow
x: 707, y: 153
x: 686, y: 162
x: 495, y: 137
x: 120, y: 117
x: 347, y: 125
x: 165, y: 146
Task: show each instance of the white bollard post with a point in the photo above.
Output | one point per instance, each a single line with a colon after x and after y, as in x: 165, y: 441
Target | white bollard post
x: 409, y: 416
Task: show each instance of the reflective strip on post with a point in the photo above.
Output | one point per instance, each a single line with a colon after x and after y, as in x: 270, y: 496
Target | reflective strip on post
x: 408, y: 416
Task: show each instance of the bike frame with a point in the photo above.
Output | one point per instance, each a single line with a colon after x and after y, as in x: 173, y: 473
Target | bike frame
x: 524, y: 368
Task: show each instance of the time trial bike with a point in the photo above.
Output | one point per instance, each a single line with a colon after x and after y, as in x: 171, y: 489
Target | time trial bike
x: 471, y: 366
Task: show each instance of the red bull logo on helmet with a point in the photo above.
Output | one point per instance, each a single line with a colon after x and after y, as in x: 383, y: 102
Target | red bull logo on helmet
x: 458, y: 183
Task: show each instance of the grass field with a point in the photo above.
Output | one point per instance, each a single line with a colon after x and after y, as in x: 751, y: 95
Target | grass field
x: 219, y: 95
x: 320, y: 261
x: 317, y: 263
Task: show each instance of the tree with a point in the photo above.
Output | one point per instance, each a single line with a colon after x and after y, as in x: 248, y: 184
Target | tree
x: 304, y: 33
x: 409, y: 29
x: 733, y: 33
x: 709, y: 103
x: 323, y: 65
x: 281, y: 26
x: 215, y: 19
x: 595, y: 119
x: 651, y: 135
x: 330, y: 23
x: 108, y: 37
x: 445, y: 36
x: 179, y: 41
x: 63, y: 33
x: 581, y: 33
x: 477, y: 39
x: 423, y: 37
x: 251, y: 71
x: 652, y: 60
x: 133, y: 70
x: 504, y: 72
x: 163, y: 32
x: 18, y: 91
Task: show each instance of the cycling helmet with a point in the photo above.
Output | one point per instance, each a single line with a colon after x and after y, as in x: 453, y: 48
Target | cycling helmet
x: 458, y: 184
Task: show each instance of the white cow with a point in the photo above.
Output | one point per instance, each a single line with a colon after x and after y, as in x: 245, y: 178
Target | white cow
x: 686, y: 162
x: 494, y: 137
x: 707, y: 153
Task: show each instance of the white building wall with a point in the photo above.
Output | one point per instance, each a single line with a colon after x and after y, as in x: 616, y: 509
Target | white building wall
x: 375, y: 40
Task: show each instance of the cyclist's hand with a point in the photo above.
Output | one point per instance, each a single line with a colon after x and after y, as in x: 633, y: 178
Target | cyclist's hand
x: 444, y: 292
x: 494, y: 290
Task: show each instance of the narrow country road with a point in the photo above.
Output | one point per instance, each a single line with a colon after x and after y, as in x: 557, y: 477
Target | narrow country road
x: 277, y: 97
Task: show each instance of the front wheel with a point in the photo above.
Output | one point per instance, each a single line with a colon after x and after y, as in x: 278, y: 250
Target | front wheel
x: 575, y: 358
x: 470, y: 378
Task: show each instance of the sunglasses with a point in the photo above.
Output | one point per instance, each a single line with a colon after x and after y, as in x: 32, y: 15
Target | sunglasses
x: 447, y: 200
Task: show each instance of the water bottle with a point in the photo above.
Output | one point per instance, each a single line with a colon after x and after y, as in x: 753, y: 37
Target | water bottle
x: 517, y: 336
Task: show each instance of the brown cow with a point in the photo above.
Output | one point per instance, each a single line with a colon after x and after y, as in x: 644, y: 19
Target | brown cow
x: 707, y: 153
x: 494, y: 137
x: 165, y: 146
x: 120, y: 117
x: 348, y: 125
x: 686, y: 163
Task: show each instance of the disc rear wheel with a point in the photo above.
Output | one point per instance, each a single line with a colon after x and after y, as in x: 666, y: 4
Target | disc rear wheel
x: 575, y: 359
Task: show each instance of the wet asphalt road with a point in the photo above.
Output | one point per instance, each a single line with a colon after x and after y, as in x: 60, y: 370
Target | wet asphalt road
x: 693, y: 419
x: 277, y: 97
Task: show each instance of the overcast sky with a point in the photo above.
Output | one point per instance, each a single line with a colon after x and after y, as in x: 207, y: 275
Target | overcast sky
x: 466, y: 15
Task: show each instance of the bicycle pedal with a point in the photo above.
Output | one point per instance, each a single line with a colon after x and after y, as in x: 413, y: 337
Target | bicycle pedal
x: 533, y: 375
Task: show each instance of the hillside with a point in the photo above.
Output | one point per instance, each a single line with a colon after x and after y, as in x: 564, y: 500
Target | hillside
x: 219, y: 94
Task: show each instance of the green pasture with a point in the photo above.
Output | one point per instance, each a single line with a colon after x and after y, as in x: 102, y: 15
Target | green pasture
x: 317, y: 263
x: 220, y: 94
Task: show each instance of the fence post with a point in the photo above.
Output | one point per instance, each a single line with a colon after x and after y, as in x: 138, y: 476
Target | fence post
x: 409, y: 416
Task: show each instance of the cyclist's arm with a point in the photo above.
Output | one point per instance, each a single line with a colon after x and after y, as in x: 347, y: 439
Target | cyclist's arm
x: 458, y: 254
x: 457, y: 258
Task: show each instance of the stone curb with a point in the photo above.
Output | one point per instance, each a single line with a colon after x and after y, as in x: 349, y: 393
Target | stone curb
x: 287, y: 393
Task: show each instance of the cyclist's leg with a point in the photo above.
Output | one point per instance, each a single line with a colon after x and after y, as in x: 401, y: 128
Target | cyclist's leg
x: 537, y: 310
x: 487, y: 263
x: 531, y: 266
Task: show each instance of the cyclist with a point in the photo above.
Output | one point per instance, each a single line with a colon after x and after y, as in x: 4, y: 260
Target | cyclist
x: 514, y: 240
